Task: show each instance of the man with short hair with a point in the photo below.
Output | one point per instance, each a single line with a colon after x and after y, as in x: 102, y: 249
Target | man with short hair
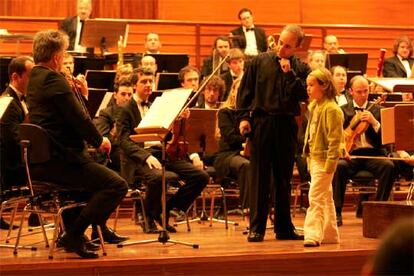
x: 143, y: 160
x: 72, y: 26
x: 221, y: 48
x: 105, y: 123
x: 367, y: 144
x: 209, y: 98
x: 189, y: 77
x: 54, y: 107
x: 235, y: 62
x: 269, y: 96
x: 249, y: 38
x: 316, y: 59
x: 331, y: 45
x: 12, y: 169
x: 152, y: 43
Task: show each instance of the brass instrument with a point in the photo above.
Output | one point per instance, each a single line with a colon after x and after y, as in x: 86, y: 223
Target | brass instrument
x: 271, y: 43
x: 120, y: 52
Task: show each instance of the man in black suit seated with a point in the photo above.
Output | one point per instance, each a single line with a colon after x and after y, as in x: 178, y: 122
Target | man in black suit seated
x: 367, y: 144
x: 72, y: 26
x: 143, y: 160
x: 401, y: 64
x: 249, y: 38
x: 54, y: 107
x: 12, y: 169
x: 235, y: 62
x: 105, y: 123
x: 220, y: 50
x: 340, y: 79
x: 209, y: 98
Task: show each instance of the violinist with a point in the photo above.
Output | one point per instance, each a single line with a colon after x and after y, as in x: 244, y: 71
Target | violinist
x: 367, y: 143
x: 12, y: 171
x: 143, y: 160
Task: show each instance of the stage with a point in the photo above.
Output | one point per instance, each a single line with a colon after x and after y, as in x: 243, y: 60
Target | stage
x: 221, y: 252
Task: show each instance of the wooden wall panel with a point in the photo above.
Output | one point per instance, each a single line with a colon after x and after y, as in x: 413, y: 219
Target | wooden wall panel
x: 196, y: 38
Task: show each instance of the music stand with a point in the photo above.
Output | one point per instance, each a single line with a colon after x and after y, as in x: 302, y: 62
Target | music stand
x: 397, y: 126
x: 164, y: 81
x: 171, y: 63
x: 84, y: 63
x: 355, y: 63
x: 103, y: 79
x: 95, y: 98
x: 103, y: 33
x: 154, y: 127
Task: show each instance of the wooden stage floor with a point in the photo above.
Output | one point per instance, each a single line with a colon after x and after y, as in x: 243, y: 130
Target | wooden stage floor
x: 221, y: 252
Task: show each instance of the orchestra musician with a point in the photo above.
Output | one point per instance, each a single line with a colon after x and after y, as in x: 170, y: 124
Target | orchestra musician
x: 221, y: 48
x: 12, y: 169
x: 72, y: 26
x: 54, y: 107
x: 143, y: 160
x: 235, y: 62
x: 367, y: 144
x: 152, y: 43
x: 340, y: 79
x: 400, y: 65
x: 271, y: 89
x: 249, y: 38
x: 228, y: 161
x: 331, y: 45
x: 316, y: 59
x: 209, y: 98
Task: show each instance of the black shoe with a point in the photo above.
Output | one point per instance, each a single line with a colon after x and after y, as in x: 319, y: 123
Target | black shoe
x: 91, y: 246
x: 5, y: 225
x: 109, y: 235
x: 77, y: 245
x: 168, y: 227
x: 339, y: 219
x: 255, y: 237
x: 152, y: 227
x: 289, y: 236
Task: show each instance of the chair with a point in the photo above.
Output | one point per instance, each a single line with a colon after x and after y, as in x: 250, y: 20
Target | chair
x: 45, y: 197
x: 364, y: 184
x: 136, y: 195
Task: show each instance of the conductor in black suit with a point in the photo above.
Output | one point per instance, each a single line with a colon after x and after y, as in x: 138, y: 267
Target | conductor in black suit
x: 143, y: 160
x: 54, y: 107
x: 12, y: 169
x: 367, y: 144
x: 72, y: 26
x: 269, y: 95
x: 401, y: 64
x: 249, y: 38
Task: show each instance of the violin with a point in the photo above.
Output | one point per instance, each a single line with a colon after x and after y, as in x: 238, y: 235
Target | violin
x: 177, y: 146
x: 357, y: 127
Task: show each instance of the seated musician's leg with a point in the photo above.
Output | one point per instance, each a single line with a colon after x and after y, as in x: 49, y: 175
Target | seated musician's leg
x: 240, y: 168
x: 384, y: 172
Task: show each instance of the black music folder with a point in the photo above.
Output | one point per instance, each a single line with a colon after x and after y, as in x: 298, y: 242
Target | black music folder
x: 103, y: 79
x: 164, y: 81
x: 95, y: 98
x: 171, y: 63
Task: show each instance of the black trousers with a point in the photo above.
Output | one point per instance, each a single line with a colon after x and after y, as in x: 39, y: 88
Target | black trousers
x: 105, y: 186
x: 273, y: 145
x: 240, y: 169
x: 383, y: 170
x: 195, y: 181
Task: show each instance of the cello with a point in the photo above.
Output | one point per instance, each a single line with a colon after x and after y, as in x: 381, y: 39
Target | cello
x: 177, y: 146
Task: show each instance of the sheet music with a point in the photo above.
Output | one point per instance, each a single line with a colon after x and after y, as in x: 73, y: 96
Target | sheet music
x: 394, y: 84
x: 164, y: 110
x: 104, y: 103
x: 4, y: 103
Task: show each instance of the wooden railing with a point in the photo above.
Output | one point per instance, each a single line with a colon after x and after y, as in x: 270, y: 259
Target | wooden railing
x: 196, y: 38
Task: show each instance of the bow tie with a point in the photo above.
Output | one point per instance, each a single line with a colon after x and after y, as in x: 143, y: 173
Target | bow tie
x: 249, y: 29
x: 235, y: 77
x: 23, y: 98
x: 407, y: 59
x: 359, y: 108
x: 144, y: 104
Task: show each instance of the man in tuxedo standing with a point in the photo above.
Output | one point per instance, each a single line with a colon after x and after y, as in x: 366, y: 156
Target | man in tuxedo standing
x: 12, y: 169
x: 249, y: 38
x: 72, y: 26
x: 401, y: 64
